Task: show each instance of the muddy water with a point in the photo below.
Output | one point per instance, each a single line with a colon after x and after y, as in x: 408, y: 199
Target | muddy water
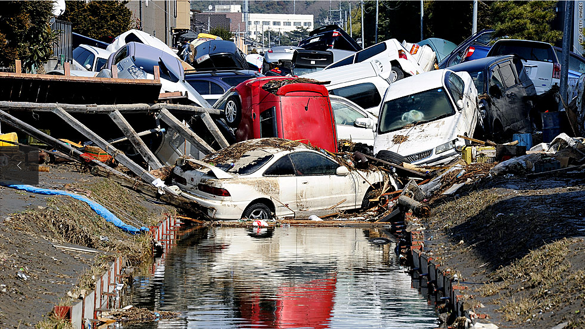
x: 289, y: 277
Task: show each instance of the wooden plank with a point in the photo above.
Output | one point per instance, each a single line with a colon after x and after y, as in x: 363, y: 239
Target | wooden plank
x: 413, y: 172
x: 51, y: 77
x: 67, y: 69
x: 223, y: 143
x: 136, y: 141
x: 187, y: 133
x: 17, y: 66
x: 111, y: 150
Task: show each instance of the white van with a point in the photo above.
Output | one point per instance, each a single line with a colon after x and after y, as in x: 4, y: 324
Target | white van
x: 362, y: 83
x: 422, y: 116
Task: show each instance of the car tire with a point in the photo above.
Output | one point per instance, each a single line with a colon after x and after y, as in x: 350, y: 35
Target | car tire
x: 257, y: 210
x: 396, y: 73
x: 232, y: 111
x: 366, y: 203
x: 392, y: 157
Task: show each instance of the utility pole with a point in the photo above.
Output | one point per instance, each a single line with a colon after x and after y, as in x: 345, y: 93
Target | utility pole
x: 363, y: 41
x: 376, y: 22
x: 350, y: 27
x: 567, y: 28
x: 422, y: 15
x: 474, y: 26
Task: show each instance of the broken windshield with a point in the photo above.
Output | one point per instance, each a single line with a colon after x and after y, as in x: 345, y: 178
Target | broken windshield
x: 418, y: 108
x: 247, y: 164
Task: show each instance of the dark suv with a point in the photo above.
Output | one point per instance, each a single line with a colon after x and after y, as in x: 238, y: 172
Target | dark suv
x: 328, y: 37
x: 213, y: 84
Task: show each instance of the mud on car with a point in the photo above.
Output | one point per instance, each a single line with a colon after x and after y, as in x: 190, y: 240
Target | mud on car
x: 273, y: 177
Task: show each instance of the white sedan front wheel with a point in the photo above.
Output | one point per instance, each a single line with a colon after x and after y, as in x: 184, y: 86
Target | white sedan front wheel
x: 257, y: 211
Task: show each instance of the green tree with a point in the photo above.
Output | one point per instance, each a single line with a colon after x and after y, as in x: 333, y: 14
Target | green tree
x: 98, y: 19
x: 25, y: 33
x: 222, y: 33
x: 530, y: 20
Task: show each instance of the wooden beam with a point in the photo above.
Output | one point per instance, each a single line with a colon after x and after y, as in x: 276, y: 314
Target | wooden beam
x: 101, y: 168
x: 92, y: 108
x: 184, y: 131
x: 55, y: 143
x: 223, y: 143
x: 17, y: 66
x: 111, y: 150
x: 67, y: 69
x: 136, y: 141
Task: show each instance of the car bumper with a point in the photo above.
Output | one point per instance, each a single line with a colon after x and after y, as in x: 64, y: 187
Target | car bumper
x: 218, y: 209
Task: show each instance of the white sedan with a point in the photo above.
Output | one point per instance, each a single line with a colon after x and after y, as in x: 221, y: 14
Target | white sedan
x: 352, y: 121
x: 273, y: 178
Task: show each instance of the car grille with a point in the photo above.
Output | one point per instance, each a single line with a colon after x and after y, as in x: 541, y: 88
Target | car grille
x: 418, y: 156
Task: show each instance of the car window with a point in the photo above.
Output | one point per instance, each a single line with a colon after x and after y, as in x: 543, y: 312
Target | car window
x: 80, y: 55
x: 121, y: 55
x: 370, y: 51
x: 224, y: 62
x: 478, y: 78
x: 247, y: 164
x: 533, y: 51
x: 344, y: 114
x: 268, y: 123
x: 282, y: 167
x: 202, y: 87
x: 495, y: 81
x: 346, y: 61
x: 414, y: 109
x: 455, y: 85
x: 507, y: 75
x: 215, y: 88
x: 365, y: 95
x: 313, y: 164
x: 100, y: 63
x: 234, y: 81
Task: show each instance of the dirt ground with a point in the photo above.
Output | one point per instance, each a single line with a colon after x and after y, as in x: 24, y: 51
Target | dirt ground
x: 515, y: 242
x: 37, y: 270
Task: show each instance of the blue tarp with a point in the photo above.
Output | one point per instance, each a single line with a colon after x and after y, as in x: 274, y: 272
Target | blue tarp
x: 99, y: 209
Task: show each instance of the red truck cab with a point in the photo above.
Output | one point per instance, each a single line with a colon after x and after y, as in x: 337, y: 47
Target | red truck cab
x: 279, y: 107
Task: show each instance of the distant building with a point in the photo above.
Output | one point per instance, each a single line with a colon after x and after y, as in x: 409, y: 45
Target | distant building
x: 277, y: 22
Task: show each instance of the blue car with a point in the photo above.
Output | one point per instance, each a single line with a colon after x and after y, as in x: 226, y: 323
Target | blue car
x: 474, y: 47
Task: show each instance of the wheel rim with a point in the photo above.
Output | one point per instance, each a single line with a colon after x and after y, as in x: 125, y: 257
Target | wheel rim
x: 393, y: 76
x: 259, y: 214
x: 231, y: 111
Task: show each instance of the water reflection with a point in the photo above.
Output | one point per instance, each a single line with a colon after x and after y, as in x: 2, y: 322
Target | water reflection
x: 283, y: 278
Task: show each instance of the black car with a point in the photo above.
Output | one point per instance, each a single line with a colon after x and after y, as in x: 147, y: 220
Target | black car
x: 307, y: 61
x: 505, y: 95
x: 219, y: 55
x: 329, y: 37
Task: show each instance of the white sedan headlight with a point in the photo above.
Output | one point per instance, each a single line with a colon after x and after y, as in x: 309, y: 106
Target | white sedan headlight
x: 444, y: 147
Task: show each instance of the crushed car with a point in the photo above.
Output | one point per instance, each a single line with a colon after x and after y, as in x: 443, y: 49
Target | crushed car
x: 272, y: 177
x: 421, y: 118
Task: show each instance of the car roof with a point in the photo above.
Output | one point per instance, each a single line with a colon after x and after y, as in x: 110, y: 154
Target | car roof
x: 152, y: 55
x: 219, y: 74
x: 236, y: 151
x: 479, y: 64
x: 521, y: 41
x: 99, y: 51
x: 416, y: 83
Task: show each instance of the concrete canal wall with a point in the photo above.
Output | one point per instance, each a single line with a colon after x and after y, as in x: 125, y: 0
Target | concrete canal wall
x: 109, y: 288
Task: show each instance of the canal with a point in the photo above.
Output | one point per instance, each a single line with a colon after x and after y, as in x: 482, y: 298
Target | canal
x: 287, y: 277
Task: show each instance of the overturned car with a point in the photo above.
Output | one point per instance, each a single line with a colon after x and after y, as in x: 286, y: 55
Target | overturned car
x: 273, y: 177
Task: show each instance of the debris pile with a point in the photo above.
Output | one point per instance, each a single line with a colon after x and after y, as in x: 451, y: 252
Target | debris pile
x: 135, y: 314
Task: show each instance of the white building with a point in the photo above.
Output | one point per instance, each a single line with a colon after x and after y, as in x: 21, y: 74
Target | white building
x: 280, y: 23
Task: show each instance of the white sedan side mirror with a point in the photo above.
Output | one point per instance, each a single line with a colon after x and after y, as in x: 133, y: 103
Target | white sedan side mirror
x: 364, y: 122
x: 342, y: 171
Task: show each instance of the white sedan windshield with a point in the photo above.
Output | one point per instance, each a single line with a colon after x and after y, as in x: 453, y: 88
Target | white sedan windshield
x: 423, y: 107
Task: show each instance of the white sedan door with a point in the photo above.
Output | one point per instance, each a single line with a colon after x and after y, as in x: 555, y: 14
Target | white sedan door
x: 318, y: 185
